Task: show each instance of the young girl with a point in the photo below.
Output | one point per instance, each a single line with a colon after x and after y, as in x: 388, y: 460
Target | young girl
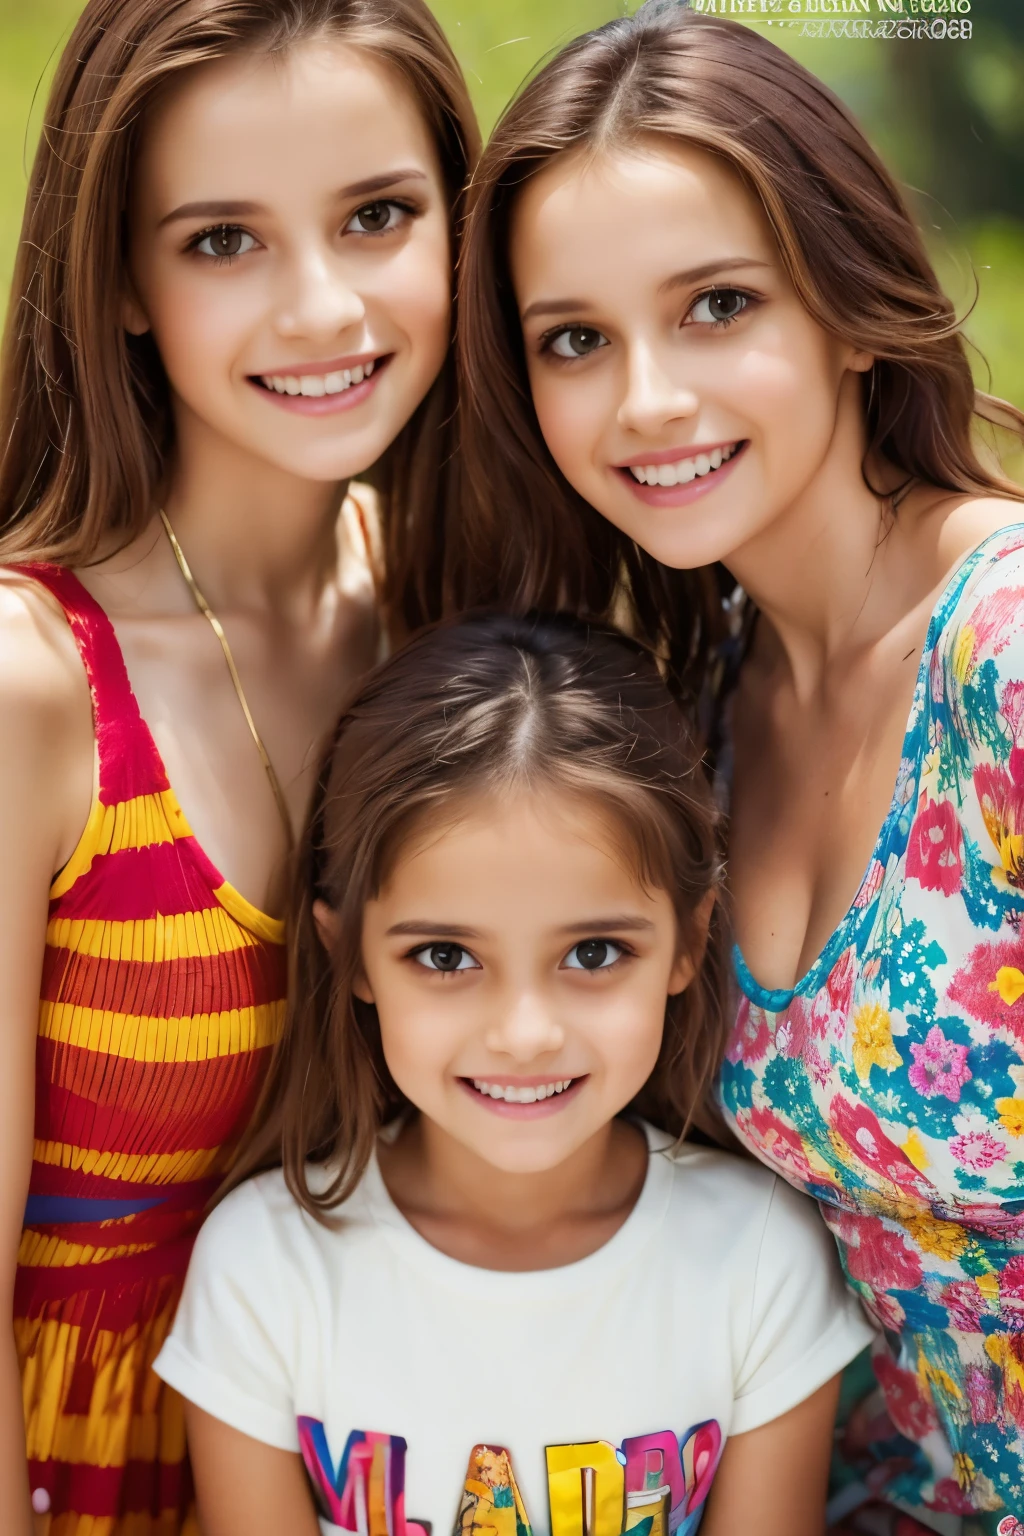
x: 780, y: 386
x: 481, y: 1294
x: 233, y: 294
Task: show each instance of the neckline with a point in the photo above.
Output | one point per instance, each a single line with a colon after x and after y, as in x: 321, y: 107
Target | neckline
x: 778, y: 999
x: 271, y: 930
x: 526, y: 1285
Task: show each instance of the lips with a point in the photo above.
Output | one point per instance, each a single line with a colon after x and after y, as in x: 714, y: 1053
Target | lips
x: 315, y: 385
x: 681, y: 471
x: 521, y: 1093
x: 674, y: 478
x: 324, y: 389
x: 525, y: 1098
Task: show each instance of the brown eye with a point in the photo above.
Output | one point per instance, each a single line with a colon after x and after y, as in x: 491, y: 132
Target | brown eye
x: 593, y: 955
x: 577, y: 341
x: 374, y: 218
x: 445, y: 957
x: 224, y: 242
x: 720, y: 306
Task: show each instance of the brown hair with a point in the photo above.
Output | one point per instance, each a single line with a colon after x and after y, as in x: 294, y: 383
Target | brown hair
x: 85, y: 423
x: 845, y: 237
x: 483, y: 705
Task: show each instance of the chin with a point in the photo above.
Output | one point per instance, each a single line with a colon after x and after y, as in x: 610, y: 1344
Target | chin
x: 525, y: 1155
x: 716, y: 538
x: 324, y: 468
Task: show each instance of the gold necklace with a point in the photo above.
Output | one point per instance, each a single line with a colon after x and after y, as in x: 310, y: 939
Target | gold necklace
x: 218, y: 629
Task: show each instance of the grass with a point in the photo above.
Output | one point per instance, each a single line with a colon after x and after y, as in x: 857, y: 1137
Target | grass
x: 499, y: 42
x: 31, y: 35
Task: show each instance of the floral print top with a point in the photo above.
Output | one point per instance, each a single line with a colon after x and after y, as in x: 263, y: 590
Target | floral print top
x: 889, y: 1083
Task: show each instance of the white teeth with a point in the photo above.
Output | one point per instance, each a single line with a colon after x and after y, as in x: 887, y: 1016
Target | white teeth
x: 685, y: 470
x: 315, y: 385
x: 513, y: 1095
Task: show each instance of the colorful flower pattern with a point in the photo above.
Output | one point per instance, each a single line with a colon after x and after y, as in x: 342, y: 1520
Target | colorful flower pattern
x: 889, y: 1083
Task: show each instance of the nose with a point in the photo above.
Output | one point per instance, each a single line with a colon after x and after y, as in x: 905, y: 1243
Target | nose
x: 318, y: 302
x: 525, y: 1028
x: 653, y: 397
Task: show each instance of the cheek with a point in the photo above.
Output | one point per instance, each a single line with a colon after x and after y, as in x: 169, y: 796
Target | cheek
x: 417, y: 1038
x: 200, y: 327
x: 570, y: 414
x: 788, y: 385
x: 626, y: 1034
x: 416, y: 293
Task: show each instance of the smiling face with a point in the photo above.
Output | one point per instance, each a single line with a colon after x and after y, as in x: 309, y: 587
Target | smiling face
x: 680, y: 385
x: 520, y: 973
x: 290, y: 254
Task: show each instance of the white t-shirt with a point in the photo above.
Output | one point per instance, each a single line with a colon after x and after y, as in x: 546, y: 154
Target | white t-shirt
x: 480, y: 1395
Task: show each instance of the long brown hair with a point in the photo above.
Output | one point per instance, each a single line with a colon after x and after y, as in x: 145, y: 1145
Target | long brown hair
x: 480, y: 706
x: 848, y: 244
x: 85, y: 425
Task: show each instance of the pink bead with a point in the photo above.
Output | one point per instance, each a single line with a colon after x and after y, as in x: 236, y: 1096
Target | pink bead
x: 40, y: 1501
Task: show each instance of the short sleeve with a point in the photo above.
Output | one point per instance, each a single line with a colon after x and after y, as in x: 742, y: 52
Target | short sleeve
x: 228, y: 1351
x: 978, y: 693
x: 805, y: 1325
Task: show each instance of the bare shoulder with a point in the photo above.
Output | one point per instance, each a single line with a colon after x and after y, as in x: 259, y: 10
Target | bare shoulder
x: 46, y: 768
x: 968, y: 521
x: 41, y: 674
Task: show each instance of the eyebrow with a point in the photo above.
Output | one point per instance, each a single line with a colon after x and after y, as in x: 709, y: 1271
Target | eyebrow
x: 617, y: 922
x: 678, y: 280
x: 227, y: 208
x: 620, y: 922
x: 421, y: 927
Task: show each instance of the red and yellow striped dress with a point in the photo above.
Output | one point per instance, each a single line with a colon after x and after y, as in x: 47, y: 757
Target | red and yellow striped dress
x: 162, y: 996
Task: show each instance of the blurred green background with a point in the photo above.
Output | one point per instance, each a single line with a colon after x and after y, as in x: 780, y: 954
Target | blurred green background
x: 948, y: 116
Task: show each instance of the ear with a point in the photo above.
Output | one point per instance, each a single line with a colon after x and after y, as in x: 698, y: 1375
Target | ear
x: 326, y: 920
x: 133, y: 316
x: 361, y: 987
x: 688, y: 962
x: 861, y: 362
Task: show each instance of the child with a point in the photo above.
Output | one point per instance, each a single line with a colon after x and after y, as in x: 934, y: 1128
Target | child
x: 487, y: 1264
x: 233, y: 295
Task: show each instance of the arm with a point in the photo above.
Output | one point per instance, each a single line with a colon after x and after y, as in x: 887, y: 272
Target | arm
x: 45, y: 792
x: 243, y: 1487
x: 773, y: 1481
x: 232, y: 1354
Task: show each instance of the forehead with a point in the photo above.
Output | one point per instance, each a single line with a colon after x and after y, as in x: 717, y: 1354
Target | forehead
x: 321, y: 113
x: 663, y: 206
x: 533, y: 848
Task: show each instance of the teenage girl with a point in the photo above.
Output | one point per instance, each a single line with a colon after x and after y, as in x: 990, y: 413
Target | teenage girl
x: 480, y: 1290
x: 232, y: 295
x: 780, y: 386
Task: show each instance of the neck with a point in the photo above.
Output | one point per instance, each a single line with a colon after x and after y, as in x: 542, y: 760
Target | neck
x: 817, y: 573
x: 255, y: 536
x: 443, y: 1178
